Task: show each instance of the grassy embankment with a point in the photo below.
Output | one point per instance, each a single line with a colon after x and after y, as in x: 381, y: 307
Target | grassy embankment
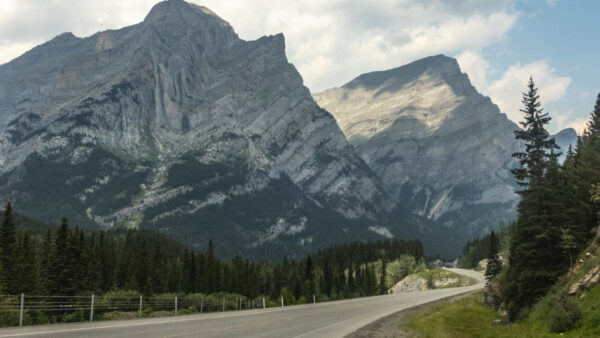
x: 471, y: 317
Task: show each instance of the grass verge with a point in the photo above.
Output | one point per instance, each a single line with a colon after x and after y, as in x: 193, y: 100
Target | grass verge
x: 471, y: 317
x: 466, y: 317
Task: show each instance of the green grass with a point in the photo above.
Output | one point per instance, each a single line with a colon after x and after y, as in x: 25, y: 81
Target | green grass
x: 578, y: 315
x: 471, y: 317
x: 466, y: 317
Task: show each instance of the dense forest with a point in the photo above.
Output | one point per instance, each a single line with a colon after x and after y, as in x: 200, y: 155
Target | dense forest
x: 69, y: 261
x: 557, y: 215
x: 477, y: 249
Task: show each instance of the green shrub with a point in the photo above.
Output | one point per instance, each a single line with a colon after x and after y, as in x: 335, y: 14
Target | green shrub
x: 564, y: 313
x: 9, y: 318
x: 76, y: 316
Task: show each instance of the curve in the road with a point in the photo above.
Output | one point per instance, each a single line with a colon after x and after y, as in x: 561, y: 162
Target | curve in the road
x: 330, y: 319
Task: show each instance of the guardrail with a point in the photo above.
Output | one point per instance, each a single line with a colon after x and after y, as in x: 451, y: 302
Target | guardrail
x: 36, y: 309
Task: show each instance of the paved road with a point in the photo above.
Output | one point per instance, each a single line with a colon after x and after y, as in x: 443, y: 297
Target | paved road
x: 331, y: 319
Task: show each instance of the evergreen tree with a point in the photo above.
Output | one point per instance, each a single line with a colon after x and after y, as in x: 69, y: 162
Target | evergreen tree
x: 588, y: 172
x: 494, y: 266
x: 212, y: 272
x: 47, y: 249
x: 8, y: 252
x: 535, y: 259
x: 73, y: 261
x: 382, y: 286
x: 27, y: 273
x: 538, y: 144
x: 60, y: 272
x: 593, y: 125
x: 568, y: 244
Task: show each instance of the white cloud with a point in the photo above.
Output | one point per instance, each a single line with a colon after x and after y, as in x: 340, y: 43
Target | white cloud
x: 24, y: 24
x: 507, y: 91
x: 476, y: 67
x: 459, y: 33
x: 9, y: 51
x: 567, y: 120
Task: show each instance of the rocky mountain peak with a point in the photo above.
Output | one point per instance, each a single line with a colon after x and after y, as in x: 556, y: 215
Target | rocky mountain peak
x: 442, y: 148
x: 174, y: 18
x: 417, y: 98
x: 67, y: 36
x: 444, y: 68
x: 566, y: 134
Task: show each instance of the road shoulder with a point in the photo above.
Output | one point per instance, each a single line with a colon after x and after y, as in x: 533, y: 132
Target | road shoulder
x: 389, y: 327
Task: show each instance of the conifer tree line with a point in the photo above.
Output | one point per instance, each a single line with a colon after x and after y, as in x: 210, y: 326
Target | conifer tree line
x: 477, y: 249
x: 557, y: 214
x: 69, y: 261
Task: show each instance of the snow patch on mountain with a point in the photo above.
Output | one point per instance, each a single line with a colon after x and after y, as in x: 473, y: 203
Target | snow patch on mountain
x: 382, y: 231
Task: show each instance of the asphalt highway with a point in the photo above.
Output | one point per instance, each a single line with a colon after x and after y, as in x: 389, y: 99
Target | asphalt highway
x: 330, y: 319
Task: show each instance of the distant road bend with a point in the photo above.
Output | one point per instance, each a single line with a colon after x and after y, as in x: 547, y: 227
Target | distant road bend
x: 329, y: 319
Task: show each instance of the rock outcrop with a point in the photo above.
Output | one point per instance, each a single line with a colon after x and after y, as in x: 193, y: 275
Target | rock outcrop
x: 410, y: 283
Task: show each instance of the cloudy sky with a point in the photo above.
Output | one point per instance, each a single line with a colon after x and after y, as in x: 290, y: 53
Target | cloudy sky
x: 499, y: 43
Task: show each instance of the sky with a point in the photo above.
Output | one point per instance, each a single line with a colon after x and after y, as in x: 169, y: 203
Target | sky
x: 498, y: 43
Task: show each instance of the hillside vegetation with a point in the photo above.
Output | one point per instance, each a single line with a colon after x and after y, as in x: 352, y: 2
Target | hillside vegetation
x: 576, y: 315
x: 549, y: 282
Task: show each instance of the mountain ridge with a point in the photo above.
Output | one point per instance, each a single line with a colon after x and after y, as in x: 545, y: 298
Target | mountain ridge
x: 177, y: 125
x: 442, y: 148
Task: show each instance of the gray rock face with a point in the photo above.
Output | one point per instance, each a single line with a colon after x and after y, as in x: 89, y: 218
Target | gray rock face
x: 176, y: 124
x: 440, y: 146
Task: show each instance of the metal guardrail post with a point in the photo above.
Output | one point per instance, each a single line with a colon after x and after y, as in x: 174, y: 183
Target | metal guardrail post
x: 281, y: 301
x: 176, y: 305
x: 141, y: 306
x: 92, y: 309
x: 264, y: 307
x: 223, y: 304
x: 21, y: 312
x: 314, y: 300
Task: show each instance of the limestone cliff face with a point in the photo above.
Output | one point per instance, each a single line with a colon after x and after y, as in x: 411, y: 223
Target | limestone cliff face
x: 176, y: 124
x: 440, y: 146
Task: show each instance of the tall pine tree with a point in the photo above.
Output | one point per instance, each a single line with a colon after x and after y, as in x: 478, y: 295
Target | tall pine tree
x: 535, y: 258
x: 60, y: 279
x: 538, y: 144
x: 9, y: 253
x: 494, y: 266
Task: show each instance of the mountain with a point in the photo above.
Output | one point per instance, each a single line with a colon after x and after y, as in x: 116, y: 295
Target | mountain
x: 438, y: 145
x: 564, y: 139
x: 175, y: 124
